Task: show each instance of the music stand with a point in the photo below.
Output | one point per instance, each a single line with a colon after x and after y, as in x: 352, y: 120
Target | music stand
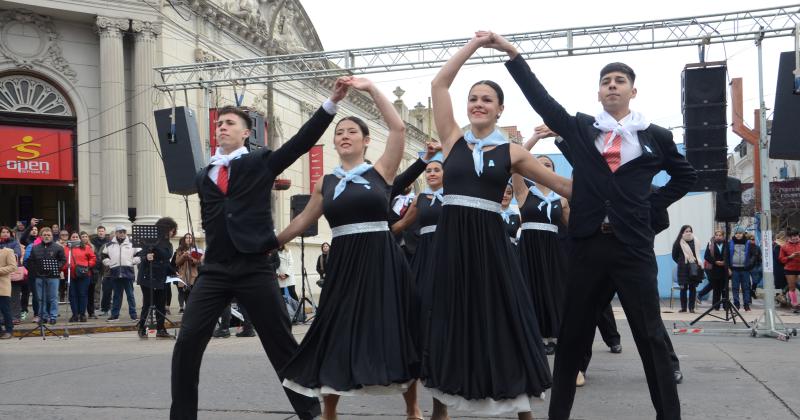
x: 300, y: 315
x: 50, y: 266
x: 147, y: 237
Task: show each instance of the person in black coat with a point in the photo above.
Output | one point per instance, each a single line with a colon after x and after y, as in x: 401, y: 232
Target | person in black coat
x: 615, y: 157
x: 689, y: 271
x: 717, y: 259
x: 156, y: 266
x: 235, y: 205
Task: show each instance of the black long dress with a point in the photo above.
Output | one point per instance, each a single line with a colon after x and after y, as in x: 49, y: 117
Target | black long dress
x: 542, y: 261
x: 484, y: 353
x: 428, y: 211
x: 360, y: 341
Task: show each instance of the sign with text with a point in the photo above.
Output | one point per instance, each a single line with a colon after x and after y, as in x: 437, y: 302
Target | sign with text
x: 316, y: 167
x: 37, y: 154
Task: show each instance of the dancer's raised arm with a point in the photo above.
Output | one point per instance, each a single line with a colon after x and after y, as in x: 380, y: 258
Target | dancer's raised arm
x: 389, y: 162
x: 446, y: 125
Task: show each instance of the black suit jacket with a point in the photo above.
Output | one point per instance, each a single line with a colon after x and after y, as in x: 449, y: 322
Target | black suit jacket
x: 624, y: 196
x: 241, y: 221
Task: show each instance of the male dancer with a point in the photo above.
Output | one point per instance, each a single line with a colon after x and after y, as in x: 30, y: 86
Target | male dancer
x: 235, y: 206
x: 615, y: 155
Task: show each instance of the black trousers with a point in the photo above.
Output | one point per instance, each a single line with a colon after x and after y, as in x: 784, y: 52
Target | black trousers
x: 719, y: 286
x: 250, y: 280
x: 158, y: 301
x: 607, y: 265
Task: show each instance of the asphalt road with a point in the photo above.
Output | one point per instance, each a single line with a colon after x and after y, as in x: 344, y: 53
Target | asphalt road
x: 117, y: 376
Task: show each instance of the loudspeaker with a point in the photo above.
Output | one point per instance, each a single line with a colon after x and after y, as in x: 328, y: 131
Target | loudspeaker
x: 258, y: 135
x: 180, y: 148
x: 729, y: 201
x: 297, y: 203
x: 785, y: 140
x: 704, y: 106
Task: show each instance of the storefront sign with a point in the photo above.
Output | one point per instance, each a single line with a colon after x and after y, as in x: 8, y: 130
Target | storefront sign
x: 41, y: 154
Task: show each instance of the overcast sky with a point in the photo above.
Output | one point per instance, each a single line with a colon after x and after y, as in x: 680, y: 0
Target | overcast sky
x: 572, y: 81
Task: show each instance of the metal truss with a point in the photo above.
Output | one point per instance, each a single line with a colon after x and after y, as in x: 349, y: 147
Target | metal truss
x: 637, y: 36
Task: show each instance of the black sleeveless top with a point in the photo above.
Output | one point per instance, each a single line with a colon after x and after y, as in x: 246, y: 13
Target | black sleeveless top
x: 460, y: 177
x: 427, y: 214
x: 531, y: 213
x: 358, y: 203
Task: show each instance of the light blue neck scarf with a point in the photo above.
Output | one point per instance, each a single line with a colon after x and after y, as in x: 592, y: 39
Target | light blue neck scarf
x: 436, y: 194
x: 353, y: 175
x: 506, y: 213
x: 494, y: 139
x: 547, y: 200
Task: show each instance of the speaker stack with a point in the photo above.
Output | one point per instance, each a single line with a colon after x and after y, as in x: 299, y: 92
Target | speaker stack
x: 297, y: 203
x: 785, y: 140
x: 704, y: 105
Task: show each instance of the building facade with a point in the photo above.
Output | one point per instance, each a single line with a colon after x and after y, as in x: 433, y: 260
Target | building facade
x: 79, y: 143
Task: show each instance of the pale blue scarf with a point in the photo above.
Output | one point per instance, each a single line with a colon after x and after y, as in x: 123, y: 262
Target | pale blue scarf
x: 436, y: 194
x: 547, y: 200
x: 494, y: 139
x: 353, y: 175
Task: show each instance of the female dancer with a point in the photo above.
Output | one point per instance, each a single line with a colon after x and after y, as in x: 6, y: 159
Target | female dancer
x: 511, y: 216
x: 360, y: 341
x: 544, y: 213
x: 483, y: 349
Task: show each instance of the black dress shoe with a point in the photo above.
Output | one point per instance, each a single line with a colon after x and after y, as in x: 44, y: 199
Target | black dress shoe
x: 222, y: 333
x: 164, y: 334
x: 248, y: 332
x: 142, y: 334
x: 616, y: 348
x: 678, y: 376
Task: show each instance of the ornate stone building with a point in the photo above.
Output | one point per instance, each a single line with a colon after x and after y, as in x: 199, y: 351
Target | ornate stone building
x: 76, y: 90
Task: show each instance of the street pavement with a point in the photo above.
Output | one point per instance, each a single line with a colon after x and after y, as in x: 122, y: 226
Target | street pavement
x: 115, y: 375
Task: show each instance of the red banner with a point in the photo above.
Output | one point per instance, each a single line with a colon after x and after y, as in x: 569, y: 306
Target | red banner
x: 316, y: 167
x: 36, y: 154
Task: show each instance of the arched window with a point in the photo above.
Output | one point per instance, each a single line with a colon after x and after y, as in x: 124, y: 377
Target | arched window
x: 26, y: 94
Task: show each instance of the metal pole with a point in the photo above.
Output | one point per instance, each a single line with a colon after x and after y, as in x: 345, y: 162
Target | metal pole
x: 769, y: 325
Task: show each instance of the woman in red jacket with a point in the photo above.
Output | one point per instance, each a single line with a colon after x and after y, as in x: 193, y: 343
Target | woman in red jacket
x: 790, y: 257
x: 83, y: 258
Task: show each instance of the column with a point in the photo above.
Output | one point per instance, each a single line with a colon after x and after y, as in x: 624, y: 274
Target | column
x: 149, y: 169
x: 113, y: 151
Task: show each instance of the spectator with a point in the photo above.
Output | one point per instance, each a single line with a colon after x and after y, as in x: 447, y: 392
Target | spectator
x: 322, y: 260
x: 83, y: 259
x: 756, y: 273
x: 20, y: 227
x: 28, y: 286
x: 46, y: 278
x: 101, y: 295
x: 689, y: 271
x: 8, y: 265
x: 790, y: 258
x: 716, y: 257
x: 153, y: 276
x: 741, y: 259
x: 63, y: 238
x: 187, y: 259
x: 30, y: 234
x: 56, y: 229
x: 7, y: 240
x: 777, y: 266
x: 119, y: 257
x: 285, y: 272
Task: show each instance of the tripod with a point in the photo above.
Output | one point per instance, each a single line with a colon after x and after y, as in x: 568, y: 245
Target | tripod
x: 300, y: 315
x: 50, y: 266
x: 730, y: 311
x: 147, y: 237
